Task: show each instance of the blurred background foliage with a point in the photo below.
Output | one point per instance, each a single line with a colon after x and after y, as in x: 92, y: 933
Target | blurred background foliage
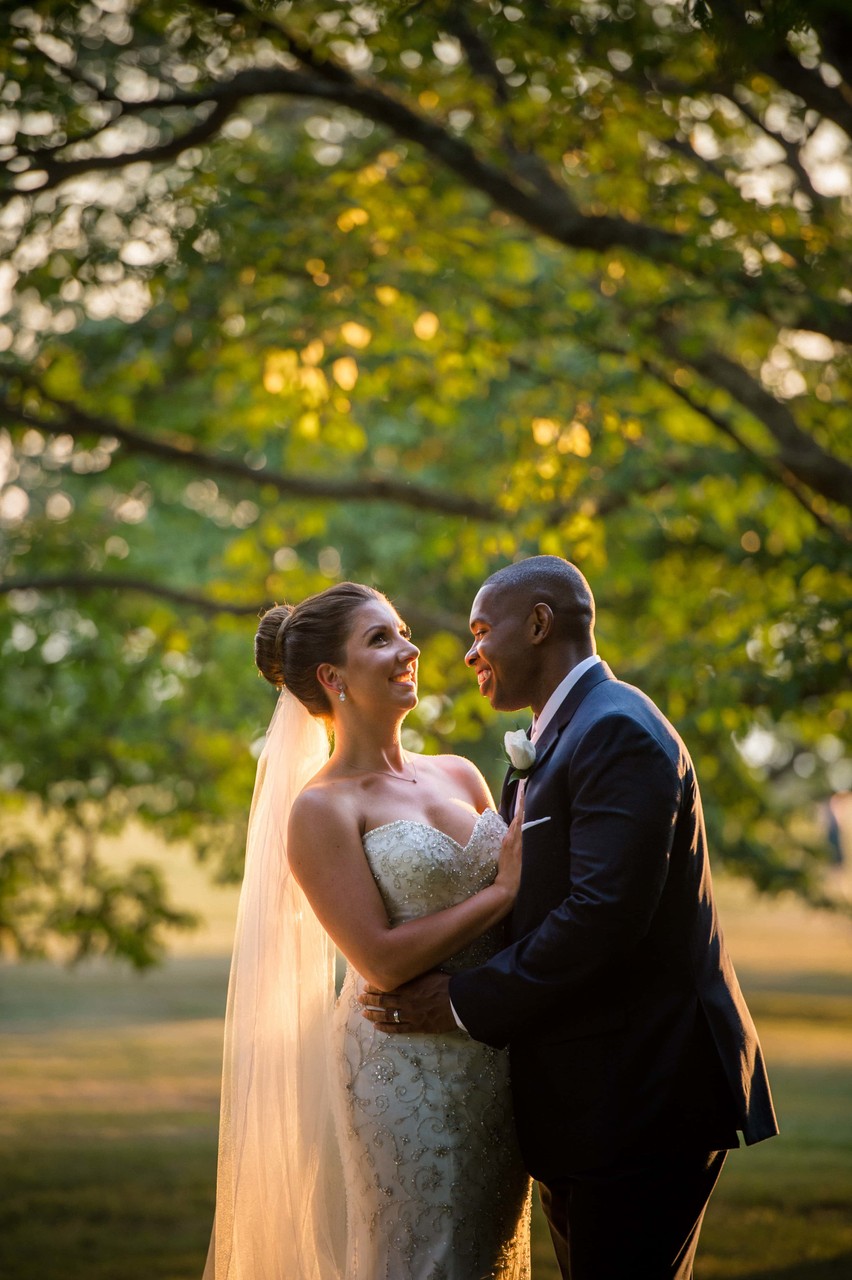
x: 397, y: 292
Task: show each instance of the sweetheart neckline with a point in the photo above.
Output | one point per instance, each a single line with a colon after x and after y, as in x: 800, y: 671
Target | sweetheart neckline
x: 427, y: 826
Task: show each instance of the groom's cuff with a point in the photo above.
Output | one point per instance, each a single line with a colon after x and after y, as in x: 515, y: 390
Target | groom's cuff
x: 459, y: 1022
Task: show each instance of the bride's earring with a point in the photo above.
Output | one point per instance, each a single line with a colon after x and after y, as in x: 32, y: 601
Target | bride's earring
x: 341, y: 697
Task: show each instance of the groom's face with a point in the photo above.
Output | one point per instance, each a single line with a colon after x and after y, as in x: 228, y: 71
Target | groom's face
x: 501, y: 654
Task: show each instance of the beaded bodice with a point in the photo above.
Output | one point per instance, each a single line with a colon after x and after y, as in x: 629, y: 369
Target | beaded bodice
x: 420, y: 869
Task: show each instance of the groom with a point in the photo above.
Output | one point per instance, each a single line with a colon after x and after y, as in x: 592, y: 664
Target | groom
x: 634, y: 1058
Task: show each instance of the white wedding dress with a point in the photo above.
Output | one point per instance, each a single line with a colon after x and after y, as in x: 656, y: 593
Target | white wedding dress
x: 424, y: 1154
x: 435, y: 1187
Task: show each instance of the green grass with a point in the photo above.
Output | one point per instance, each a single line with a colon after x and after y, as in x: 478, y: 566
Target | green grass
x: 108, y: 1112
x: 109, y: 1095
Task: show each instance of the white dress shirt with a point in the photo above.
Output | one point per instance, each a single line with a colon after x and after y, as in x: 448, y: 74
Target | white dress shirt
x: 560, y: 693
x: 540, y: 723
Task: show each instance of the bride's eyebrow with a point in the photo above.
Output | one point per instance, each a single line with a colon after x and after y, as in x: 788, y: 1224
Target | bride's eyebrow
x: 380, y: 628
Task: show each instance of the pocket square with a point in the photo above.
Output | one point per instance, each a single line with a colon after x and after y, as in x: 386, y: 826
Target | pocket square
x: 535, y: 822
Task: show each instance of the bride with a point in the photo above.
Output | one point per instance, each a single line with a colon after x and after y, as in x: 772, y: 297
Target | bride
x: 401, y: 861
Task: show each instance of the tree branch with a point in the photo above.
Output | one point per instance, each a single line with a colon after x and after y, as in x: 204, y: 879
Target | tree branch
x: 79, y: 424
x: 530, y: 193
x: 786, y: 70
x: 776, y: 472
x: 767, y: 42
x: 479, y: 56
x: 799, y: 453
x: 833, y: 25
x: 85, y: 583
x: 528, y: 166
x: 790, y: 149
x: 40, y: 154
x: 58, y: 171
x: 76, y: 422
x: 553, y: 213
x: 425, y: 621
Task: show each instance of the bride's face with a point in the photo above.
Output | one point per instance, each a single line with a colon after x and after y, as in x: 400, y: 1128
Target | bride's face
x: 380, y: 667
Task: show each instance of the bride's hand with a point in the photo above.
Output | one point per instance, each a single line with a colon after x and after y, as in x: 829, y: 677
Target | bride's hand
x: 509, y: 866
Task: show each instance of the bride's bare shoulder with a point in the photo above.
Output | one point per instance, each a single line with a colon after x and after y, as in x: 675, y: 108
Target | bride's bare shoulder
x: 326, y: 801
x: 463, y: 773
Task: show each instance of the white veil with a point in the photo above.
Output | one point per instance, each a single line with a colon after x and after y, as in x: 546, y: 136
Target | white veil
x: 280, y: 1211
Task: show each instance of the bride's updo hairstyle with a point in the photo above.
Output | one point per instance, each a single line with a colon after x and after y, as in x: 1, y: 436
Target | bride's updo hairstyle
x: 293, y: 640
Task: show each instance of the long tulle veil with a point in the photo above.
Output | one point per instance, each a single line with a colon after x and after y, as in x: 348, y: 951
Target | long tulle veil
x: 280, y: 1211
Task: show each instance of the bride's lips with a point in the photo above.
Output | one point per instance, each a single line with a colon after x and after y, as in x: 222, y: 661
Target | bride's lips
x: 408, y: 676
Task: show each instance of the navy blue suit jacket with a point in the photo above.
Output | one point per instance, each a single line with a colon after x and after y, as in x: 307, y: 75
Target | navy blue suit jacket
x: 624, y: 1019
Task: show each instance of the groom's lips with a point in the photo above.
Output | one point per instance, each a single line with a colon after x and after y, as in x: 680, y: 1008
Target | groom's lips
x: 483, y: 675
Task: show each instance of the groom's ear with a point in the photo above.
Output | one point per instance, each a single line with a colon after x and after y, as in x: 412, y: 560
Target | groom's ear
x: 542, y: 622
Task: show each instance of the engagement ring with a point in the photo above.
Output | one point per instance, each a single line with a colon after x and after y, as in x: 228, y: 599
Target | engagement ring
x: 396, y: 1015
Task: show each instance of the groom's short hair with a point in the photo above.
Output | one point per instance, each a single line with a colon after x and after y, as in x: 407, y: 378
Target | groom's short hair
x: 553, y: 581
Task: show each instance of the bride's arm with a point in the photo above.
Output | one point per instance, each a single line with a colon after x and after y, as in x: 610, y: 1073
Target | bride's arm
x: 327, y: 858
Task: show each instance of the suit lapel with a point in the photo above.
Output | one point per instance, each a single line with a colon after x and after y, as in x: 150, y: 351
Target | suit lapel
x: 507, y: 798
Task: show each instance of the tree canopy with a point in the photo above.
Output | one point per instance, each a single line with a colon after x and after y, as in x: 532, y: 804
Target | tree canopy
x: 398, y: 292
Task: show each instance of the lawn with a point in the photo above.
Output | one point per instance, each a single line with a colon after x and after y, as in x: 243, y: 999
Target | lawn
x: 108, y: 1108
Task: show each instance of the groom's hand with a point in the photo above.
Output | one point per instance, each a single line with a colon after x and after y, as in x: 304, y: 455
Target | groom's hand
x: 420, y: 1005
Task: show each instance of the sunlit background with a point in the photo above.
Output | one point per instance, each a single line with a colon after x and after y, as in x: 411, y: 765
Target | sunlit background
x: 303, y: 292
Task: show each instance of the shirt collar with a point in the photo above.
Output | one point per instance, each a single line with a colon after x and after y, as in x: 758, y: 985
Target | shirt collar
x: 560, y: 693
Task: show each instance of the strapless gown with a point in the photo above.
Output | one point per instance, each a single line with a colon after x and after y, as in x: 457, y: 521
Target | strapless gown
x: 435, y: 1187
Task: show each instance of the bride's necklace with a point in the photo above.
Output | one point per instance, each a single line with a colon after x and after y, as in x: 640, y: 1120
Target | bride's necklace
x: 386, y: 773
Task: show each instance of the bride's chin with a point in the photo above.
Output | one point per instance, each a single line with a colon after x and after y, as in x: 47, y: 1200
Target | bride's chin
x: 408, y: 697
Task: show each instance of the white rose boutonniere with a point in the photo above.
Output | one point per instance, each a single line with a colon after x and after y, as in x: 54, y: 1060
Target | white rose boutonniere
x: 521, y: 752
